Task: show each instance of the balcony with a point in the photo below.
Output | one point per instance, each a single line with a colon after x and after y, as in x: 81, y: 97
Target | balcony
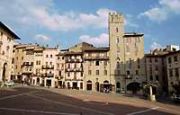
x: 28, y: 64
x: 48, y: 75
x: 48, y: 67
x: 73, y: 60
x: 74, y: 69
x: 96, y: 58
x: 27, y: 71
x: 74, y: 79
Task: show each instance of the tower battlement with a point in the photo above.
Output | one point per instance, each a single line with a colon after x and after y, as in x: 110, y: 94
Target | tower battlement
x: 115, y: 17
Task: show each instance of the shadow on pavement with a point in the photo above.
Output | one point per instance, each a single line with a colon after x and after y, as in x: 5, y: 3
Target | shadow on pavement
x: 42, y: 101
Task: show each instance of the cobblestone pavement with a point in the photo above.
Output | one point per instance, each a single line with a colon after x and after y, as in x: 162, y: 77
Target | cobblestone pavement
x: 25, y: 100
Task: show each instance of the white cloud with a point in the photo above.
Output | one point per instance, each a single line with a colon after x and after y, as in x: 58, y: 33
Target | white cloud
x: 173, y: 5
x: 156, y: 14
x: 101, y: 40
x: 163, y: 11
x: 155, y: 45
x: 68, y: 22
x: 41, y: 13
x: 42, y: 37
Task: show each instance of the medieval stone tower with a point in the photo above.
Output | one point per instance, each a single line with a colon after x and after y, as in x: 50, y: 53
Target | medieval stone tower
x: 125, y: 55
x: 116, y: 44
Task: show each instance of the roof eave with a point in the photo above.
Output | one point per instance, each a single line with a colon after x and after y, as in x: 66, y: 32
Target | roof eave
x: 10, y: 31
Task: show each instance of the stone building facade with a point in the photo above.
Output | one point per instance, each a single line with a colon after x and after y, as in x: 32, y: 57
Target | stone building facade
x: 96, y: 69
x: 161, y: 68
x: 7, y: 41
x: 173, y: 69
x: 35, y: 64
x: 49, y: 66
x: 84, y: 66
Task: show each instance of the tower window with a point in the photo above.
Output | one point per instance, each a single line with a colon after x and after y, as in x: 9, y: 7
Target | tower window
x: 12, y: 60
x: 117, y: 29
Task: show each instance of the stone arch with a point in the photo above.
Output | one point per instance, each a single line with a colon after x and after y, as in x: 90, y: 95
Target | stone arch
x: 134, y: 87
x: 106, y: 82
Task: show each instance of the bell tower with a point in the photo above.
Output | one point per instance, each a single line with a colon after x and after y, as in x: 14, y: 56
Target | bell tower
x: 116, y: 44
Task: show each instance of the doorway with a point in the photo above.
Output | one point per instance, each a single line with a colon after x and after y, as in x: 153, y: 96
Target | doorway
x: 89, y: 85
x: 118, y: 87
x: 48, y: 82
x: 75, y: 85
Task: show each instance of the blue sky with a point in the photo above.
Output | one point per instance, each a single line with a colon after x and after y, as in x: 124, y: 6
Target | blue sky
x: 66, y: 22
